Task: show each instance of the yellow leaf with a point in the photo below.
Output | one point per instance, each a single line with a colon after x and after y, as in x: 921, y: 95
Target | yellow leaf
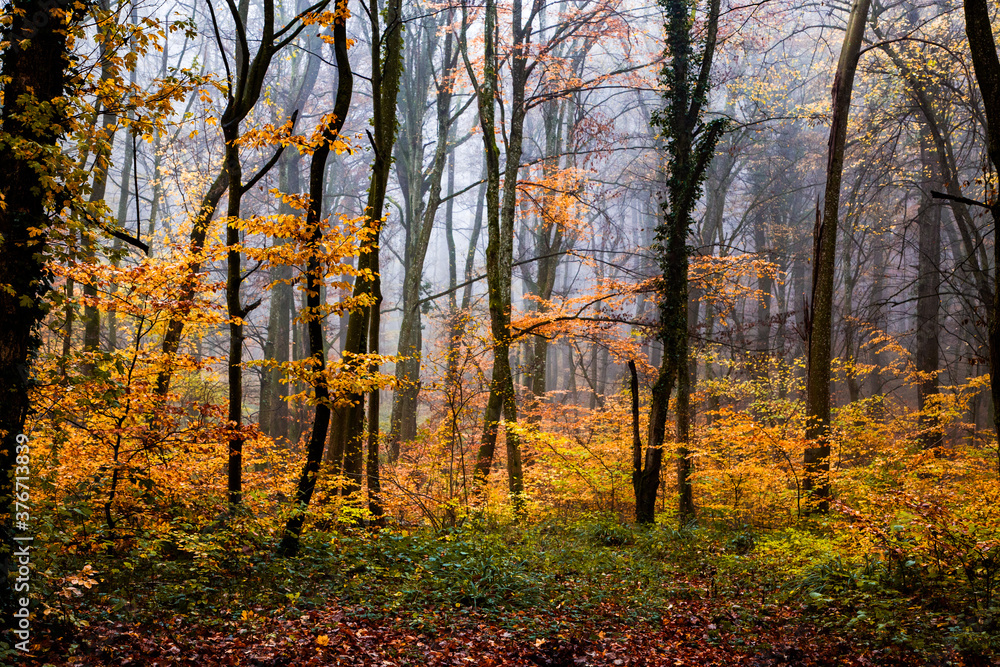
x: 323, y: 640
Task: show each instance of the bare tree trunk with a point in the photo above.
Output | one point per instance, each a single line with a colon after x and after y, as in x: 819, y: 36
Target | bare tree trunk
x: 928, y: 294
x: 645, y: 479
x: 123, y: 202
x: 817, y: 455
x: 404, y: 408
x: 236, y: 311
x: 274, y: 412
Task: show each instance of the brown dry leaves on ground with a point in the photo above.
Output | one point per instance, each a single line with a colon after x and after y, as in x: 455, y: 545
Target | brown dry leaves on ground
x: 688, y: 634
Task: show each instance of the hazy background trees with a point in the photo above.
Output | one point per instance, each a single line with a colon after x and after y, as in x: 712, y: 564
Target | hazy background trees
x: 508, y: 174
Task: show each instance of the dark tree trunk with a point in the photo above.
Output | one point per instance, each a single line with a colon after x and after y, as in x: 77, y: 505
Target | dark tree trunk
x: 690, y: 147
x: 817, y: 455
x: 928, y: 294
x: 987, y: 68
x: 249, y: 79
x: 645, y: 479
x: 34, y: 67
x: 549, y: 237
x: 236, y: 313
x: 289, y: 545
x: 362, y: 325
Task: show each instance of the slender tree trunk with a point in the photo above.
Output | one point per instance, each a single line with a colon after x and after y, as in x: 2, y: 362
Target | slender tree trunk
x: 765, y: 285
x: 69, y: 314
x: 850, y: 326
x: 460, y: 311
x: 236, y: 313
x: 124, y: 196
x: 928, y: 294
x: 362, y: 324
x: 102, y: 160
x: 289, y: 545
x: 279, y: 339
x: 548, y: 242
x: 817, y: 455
x: 404, y: 408
x: 499, y: 250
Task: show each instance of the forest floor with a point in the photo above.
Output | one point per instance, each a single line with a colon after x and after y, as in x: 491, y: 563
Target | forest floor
x: 589, y: 593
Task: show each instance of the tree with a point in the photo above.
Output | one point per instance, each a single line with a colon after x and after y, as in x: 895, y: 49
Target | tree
x: 34, y: 68
x: 500, y: 228
x: 274, y: 414
x: 244, y: 88
x: 986, y: 64
x: 315, y: 272
x: 419, y: 215
x: 820, y: 333
x: 690, y: 145
x: 363, y: 325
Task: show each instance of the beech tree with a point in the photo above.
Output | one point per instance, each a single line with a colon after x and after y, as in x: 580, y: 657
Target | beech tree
x: 314, y: 276
x: 245, y: 86
x: 416, y: 183
x: 34, y: 68
x: 346, y: 447
x: 817, y: 455
x: 690, y: 146
x: 987, y: 68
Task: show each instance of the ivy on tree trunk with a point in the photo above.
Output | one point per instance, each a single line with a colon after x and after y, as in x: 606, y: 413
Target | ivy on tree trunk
x: 690, y: 146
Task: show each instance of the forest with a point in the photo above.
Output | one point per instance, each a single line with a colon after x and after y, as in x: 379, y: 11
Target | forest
x: 499, y: 332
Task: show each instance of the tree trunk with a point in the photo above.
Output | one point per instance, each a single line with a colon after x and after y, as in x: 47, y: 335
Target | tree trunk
x: 690, y: 148
x: 102, y: 158
x: 404, y: 408
x: 987, y: 68
x: 236, y: 314
x: 362, y: 324
x: 34, y: 68
x: 645, y: 479
x: 289, y: 545
x: 499, y: 250
x: 274, y: 412
x: 928, y: 294
x: 817, y: 455
x: 123, y: 201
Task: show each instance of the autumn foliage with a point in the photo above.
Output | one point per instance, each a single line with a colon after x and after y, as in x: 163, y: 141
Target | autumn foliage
x: 211, y: 270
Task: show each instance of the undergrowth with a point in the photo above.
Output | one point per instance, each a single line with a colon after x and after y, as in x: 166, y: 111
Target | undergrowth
x: 543, y: 576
